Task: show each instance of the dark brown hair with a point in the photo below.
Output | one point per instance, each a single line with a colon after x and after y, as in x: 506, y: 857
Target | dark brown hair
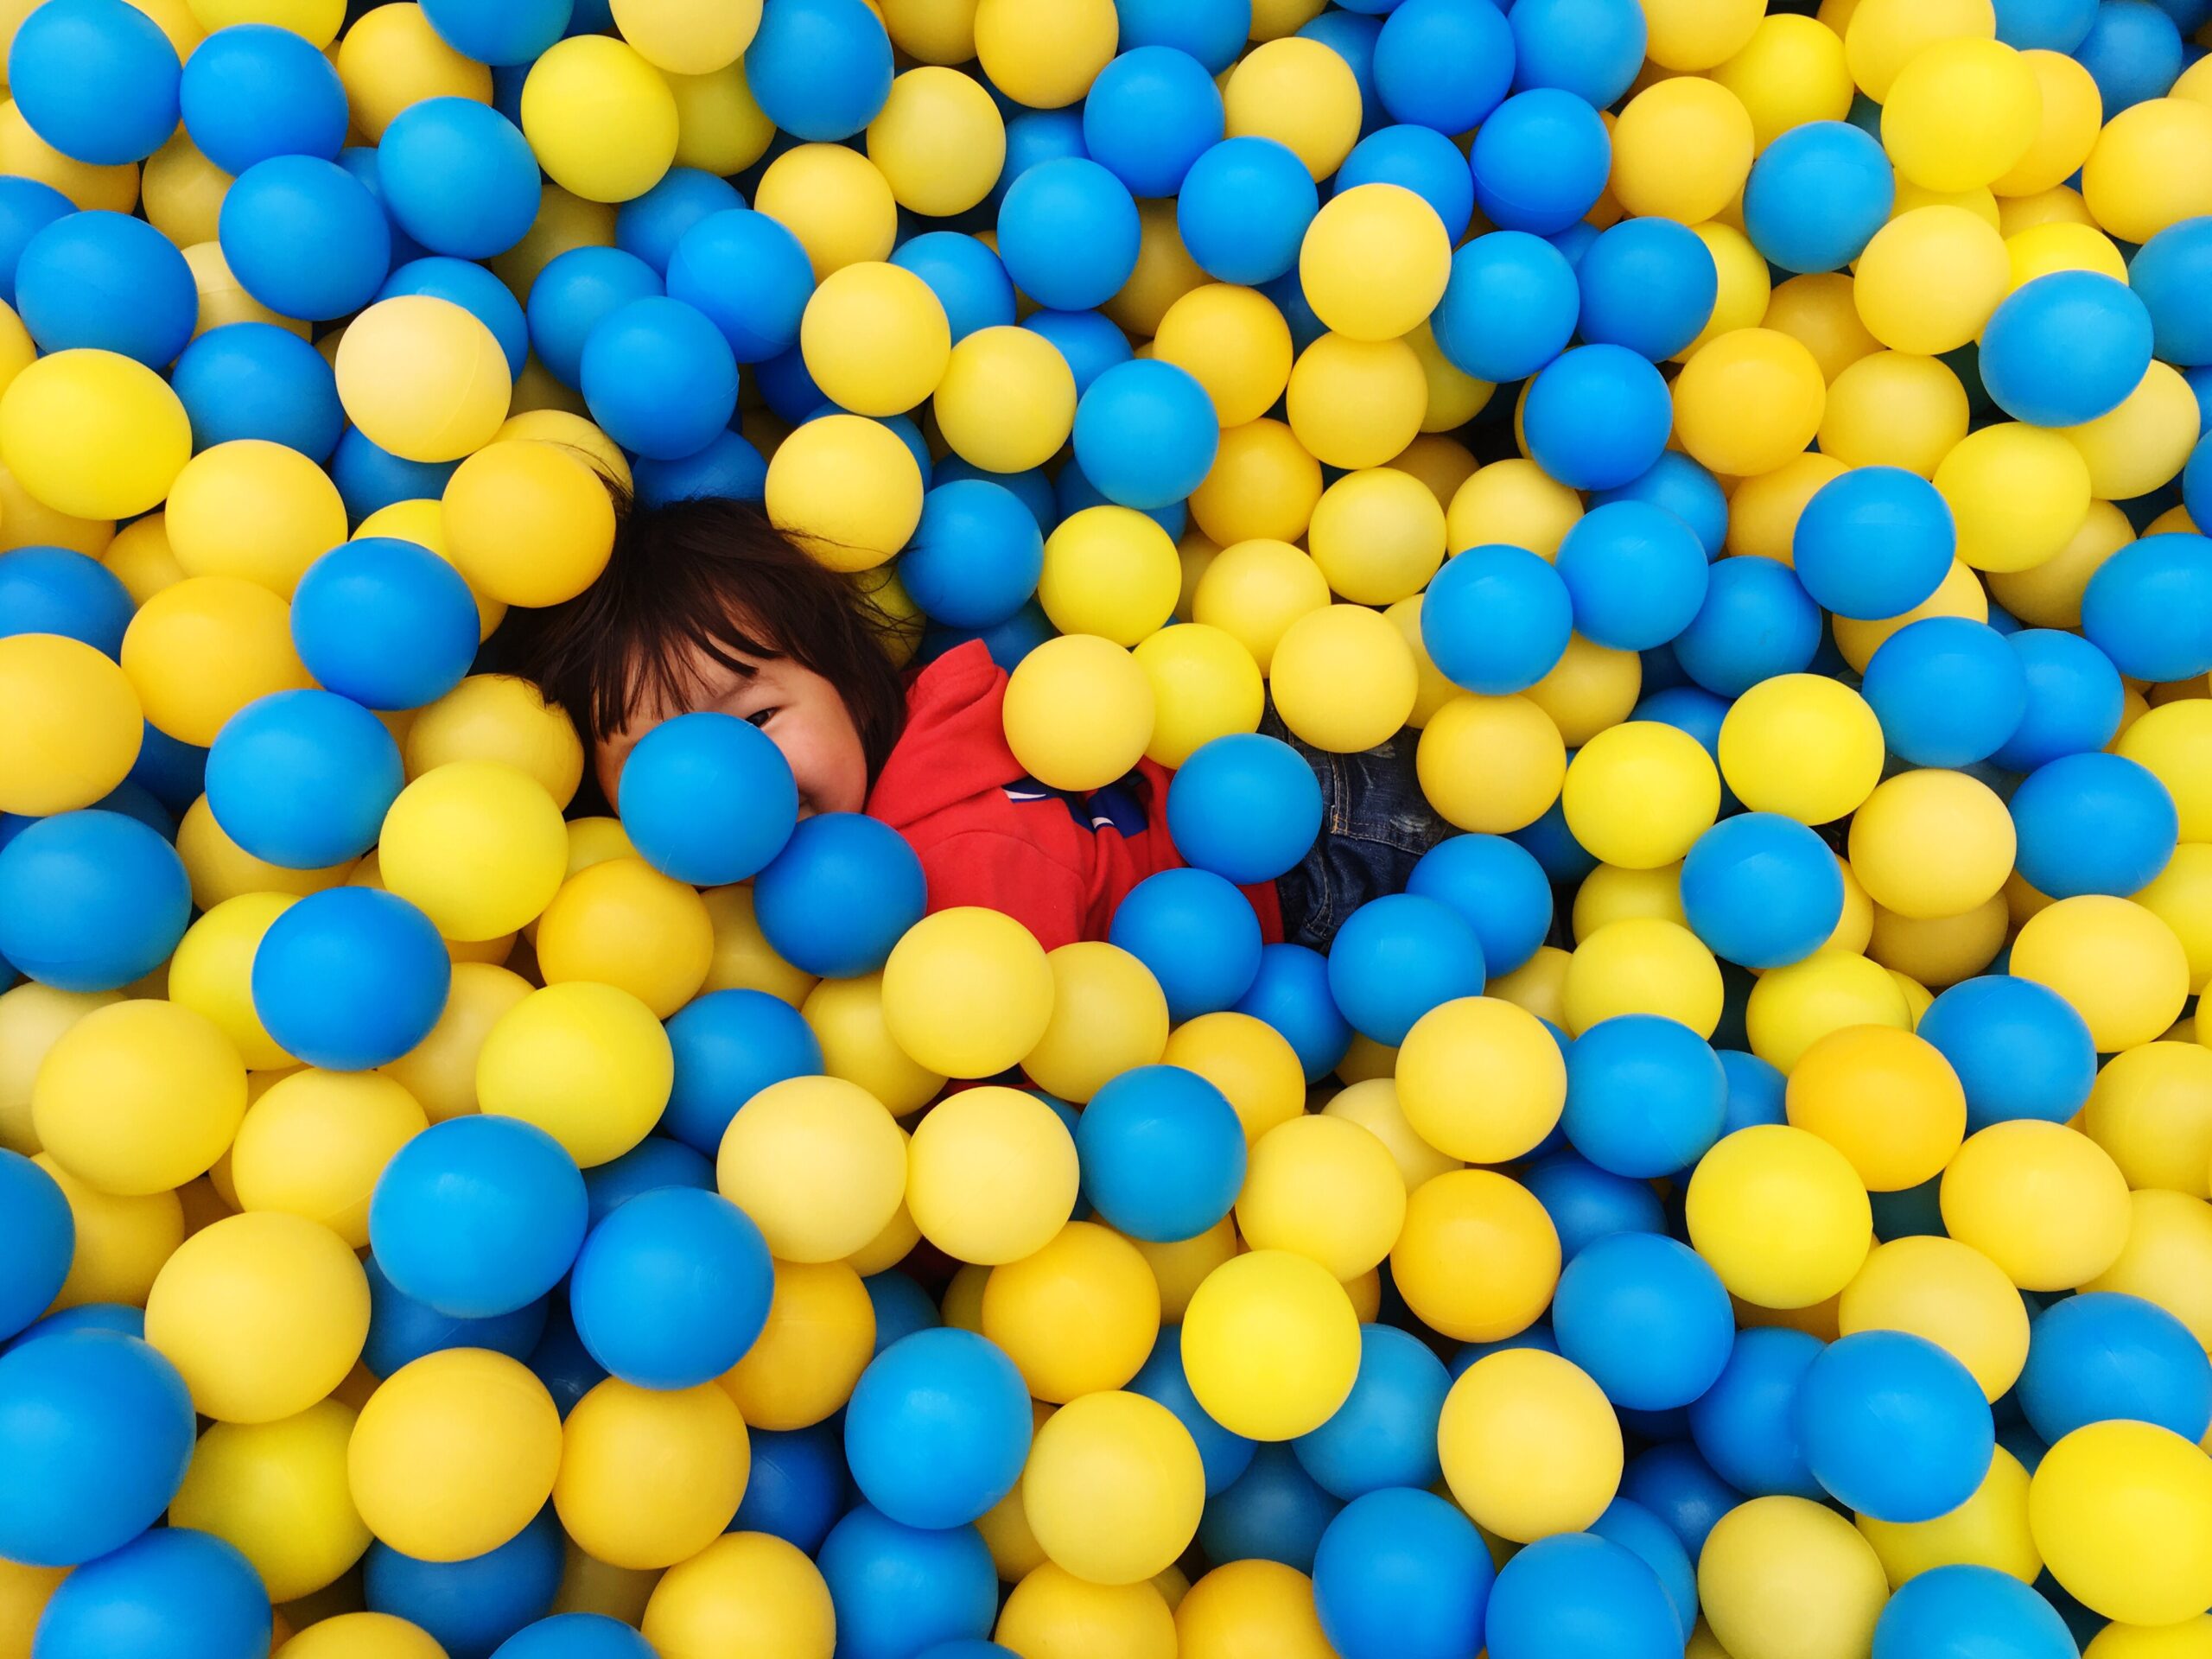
x: 710, y: 580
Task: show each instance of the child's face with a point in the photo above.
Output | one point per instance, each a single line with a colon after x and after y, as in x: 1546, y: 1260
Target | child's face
x: 801, y: 713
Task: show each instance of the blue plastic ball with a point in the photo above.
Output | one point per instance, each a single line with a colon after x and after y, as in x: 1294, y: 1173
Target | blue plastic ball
x: 1676, y: 1484
x: 1652, y: 1542
x: 27, y: 206
x: 1292, y: 995
x: 1033, y: 137
x: 1755, y: 1091
x: 1540, y: 160
x: 305, y: 238
x: 1274, y: 1511
x: 2018, y: 1047
x: 1597, y: 416
x: 194, y: 1591
x: 1645, y: 1095
x: 1756, y: 621
x: 797, y: 1486
x: 2074, y: 699
x: 2093, y: 822
x: 256, y: 380
x: 2197, y: 479
x: 1949, y: 690
x: 458, y: 177
x: 897, y: 1589
x: 1745, y: 1424
x: 369, y: 478
x: 385, y: 622
x: 2149, y: 608
x: 1401, y: 1574
x: 576, y: 291
x: 649, y: 226
x: 1646, y: 1318
x: 1817, y: 196
x: 95, y: 1431
x: 1637, y: 575
x: 1068, y: 234
x: 937, y: 1429
x: 1444, y: 64
x: 2065, y: 348
x: 729, y: 1046
x: 671, y: 1288
x: 477, y: 1216
x: 351, y: 978
x: 1873, y: 542
x: 975, y: 556
x: 1587, y: 1202
x: 1593, y: 48
x: 2047, y: 25
x: 254, y: 91
x: 1072, y: 492
x: 966, y: 276
x: 819, y: 69
x: 1761, y: 890
x: 1682, y: 487
x: 1223, y: 1456
x: 1146, y: 433
x: 659, y: 376
x: 1421, y: 160
x: 1150, y: 113
x: 303, y: 778
x: 1352, y: 35
x: 560, y: 1360
x: 360, y: 161
x: 1962, y: 1610
x: 475, y: 290
x: 707, y: 798
x: 1162, y: 1153
x: 902, y: 1307
x: 2133, y: 51
x: 91, y: 900
x: 1196, y: 934
x: 110, y: 282
x: 1398, y: 956
x: 1244, y: 210
x: 402, y: 1330
x: 1647, y: 285
x: 86, y: 1316
x: 2168, y: 274
x: 655, y: 1162
x: 1495, y: 619
x: 839, y: 895
x: 1894, y: 1427
x: 728, y: 466
x: 2103, y: 1355
x: 499, y: 32
x: 1246, y: 807
x: 575, y: 1635
x: 1497, y: 888
x: 1509, y: 306
x: 1212, y: 31
x: 1384, y: 1435
x: 748, y: 276
x: 38, y: 1237
x: 58, y: 590
x: 1573, y: 1595
x: 469, y: 1607
x: 95, y: 78
x: 1566, y: 861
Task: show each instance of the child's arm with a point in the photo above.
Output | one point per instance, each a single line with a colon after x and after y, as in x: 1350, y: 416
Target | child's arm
x: 1009, y: 873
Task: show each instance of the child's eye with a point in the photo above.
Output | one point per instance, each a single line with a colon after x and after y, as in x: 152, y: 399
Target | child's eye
x: 760, y: 716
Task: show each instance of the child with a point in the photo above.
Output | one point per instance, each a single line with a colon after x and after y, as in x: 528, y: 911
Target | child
x: 706, y: 606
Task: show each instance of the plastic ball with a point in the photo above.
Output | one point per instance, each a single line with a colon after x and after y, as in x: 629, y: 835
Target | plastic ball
x: 1381, y: 221
x: 2140, y: 606
x: 1597, y: 417
x: 446, y: 1184
x: 80, y: 730
x: 1446, y: 66
x: 109, y: 282
x: 1113, y: 1487
x: 966, y: 1213
x: 423, y: 378
x: 1816, y: 196
x: 97, y: 83
x: 1271, y: 1344
x: 1539, y: 162
x: 1325, y: 652
x: 1108, y: 1016
x: 1244, y: 807
x: 874, y: 338
x: 649, y: 1477
x: 1644, y: 1318
x: 1067, y: 232
x: 1928, y: 280
x: 1326, y: 1188
x: 1801, y: 745
x: 671, y: 1288
x: 276, y: 1492
x: 1738, y: 1198
x: 2091, y: 1530
x: 1079, y: 712
x: 1244, y: 207
x: 478, y: 845
x: 1948, y: 691
x: 387, y: 623
x: 600, y: 118
x: 1144, y: 434
x: 303, y: 778
x: 1150, y: 114
x: 1883, y: 1385
x: 170, y: 1578
x: 1530, y: 1445
x: 845, y: 489
x: 2135, y: 833
x: 2075, y: 1235
x: 93, y: 434
x: 2096, y: 1358
x: 1740, y: 1594
x: 1300, y: 93
x: 1645, y: 1096
x: 961, y: 1399
x: 2107, y: 333
x: 658, y: 378
x: 1120, y: 1138
x: 1965, y: 1603
x: 707, y: 798
x: 2018, y: 1048
x: 262, y: 91
x: 1761, y: 890
x: 1078, y: 1315
x: 1898, y: 516
x: 1508, y: 307
x: 288, y: 197
x: 817, y: 1163
x: 1431, y: 1558
x: 2120, y: 967
x: 458, y: 177
x: 1648, y: 285
x: 1475, y: 1209
x: 254, y: 380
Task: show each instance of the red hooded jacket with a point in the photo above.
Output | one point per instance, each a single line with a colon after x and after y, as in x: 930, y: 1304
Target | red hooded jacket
x: 989, y: 835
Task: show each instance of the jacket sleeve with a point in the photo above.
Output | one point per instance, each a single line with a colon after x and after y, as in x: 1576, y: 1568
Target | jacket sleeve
x: 1009, y: 874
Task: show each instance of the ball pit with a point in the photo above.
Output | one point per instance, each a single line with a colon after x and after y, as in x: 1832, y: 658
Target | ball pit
x: 1725, y: 1174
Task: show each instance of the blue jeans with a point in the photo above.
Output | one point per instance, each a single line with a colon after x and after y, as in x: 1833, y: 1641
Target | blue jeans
x: 1375, y: 823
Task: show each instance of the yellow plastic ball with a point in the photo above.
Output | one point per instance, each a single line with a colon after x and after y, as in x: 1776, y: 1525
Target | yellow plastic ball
x: 1748, y: 400
x: 1110, y: 571
x: 1044, y: 54
x: 1815, y: 310
x: 847, y: 489
x: 1164, y: 273
x: 1343, y: 679
x: 94, y: 435
x: 1802, y: 744
x: 1889, y: 1102
x: 719, y: 124
x: 1785, y: 1578
x: 650, y: 1477
x: 1892, y: 408
x: 820, y: 1334
x: 1296, y: 91
x: 477, y: 845
x: 2151, y: 167
x: 263, y: 1314
x: 588, y: 1064
x: 1253, y: 590
x: 315, y: 1142
x: 846, y: 1016
x: 1639, y: 795
x: 1943, y: 950
x: 1961, y: 113
x: 2150, y: 1108
x: 2044, y: 1202
x: 819, y: 1165
x: 1377, y: 1106
x: 2070, y: 113
x: 1377, y: 535
x: 1271, y: 1344
x: 939, y: 142
x: 687, y: 37
x: 931, y: 31
x: 1432, y: 690
x: 1791, y: 71
x: 140, y: 557
x: 2174, y: 742
x: 1682, y: 148
x: 1323, y: 1188
x: 1356, y: 402
x: 744, y: 1591
x: 1930, y: 278
x: 2143, y: 444
x: 1780, y: 1215
x: 1204, y: 685
x: 24, y: 154
x: 2122, y: 1512
x: 359, y: 1636
x: 1249, y: 1060
x: 2167, y: 1259
x: 1051, y: 1613
x: 422, y: 377
x: 873, y: 336
x: 453, y: 1454
x: 1454, y: 398
x: 1530, y: 1445
x: 1113, y: 1487
x: 1589, y: 687
x: 211, y: 973
x: 1643, y: 965
x: 199, y: 651
x: 1079, y: 712
x: 73, y: 727
x: 32, y: 1018
x: 223, y: 299
x: 1686, y: 34
x: 1263, y: 486
x: 253, y: 509
x: 499, y: 718
x: 139, y: 1096
x: 1481, y: 1080
x: 622, y: 923
x: 600, y: 118
x: 1950, y: 1293
x: 1248, y: 1608
x: 835, y: 200
x: 315, y: 21
x: 391, y: 57
x: 1930, y: 843
x: 1511, y: 502
x: 967, y: 991
x: 1881, y: 36
x: 527, y: 523
x: 2120, y: 966
x: 1078, y: 1315
x: 182, y: 192
x: 1005, y: 399
x: 1762, y: 514
x: 1989, y: 1529
x: 276, y: 1490
x: 1476, y: 1214
x: 1610, y: 894
x: 1374, y: 261
x: 743, y: 958
x: 121, y: 1241
x: 1744, y: 286
x: 991, y: 1175
x: 1234, y: 343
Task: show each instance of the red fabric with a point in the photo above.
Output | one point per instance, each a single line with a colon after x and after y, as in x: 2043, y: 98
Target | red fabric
x: 944, y: 788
